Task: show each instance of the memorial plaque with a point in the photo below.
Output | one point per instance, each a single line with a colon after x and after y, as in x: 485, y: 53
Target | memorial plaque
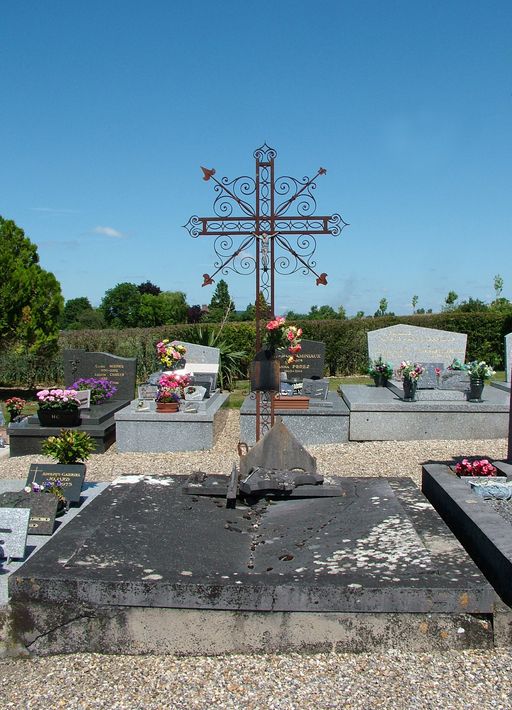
x: 409, y: 342
x: 121, y: 371
x: 71, y: 477
x: 147, y: 391
x: 429, y: 379
x: 42, y: 506
x: 13, y: 532
x: 310, y: 362
x: 316, y: 389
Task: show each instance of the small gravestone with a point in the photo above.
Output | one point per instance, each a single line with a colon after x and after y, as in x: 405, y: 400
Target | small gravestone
x: 13, y: 532
x: 429, y: 379
x: 121, y: 371
x: 71, y: 477
x: 410, y: 342
x: 147, y: 391
x: 309, y: 363
x: 316, y: 389
x: 42, y: 506
x: 201, y: 361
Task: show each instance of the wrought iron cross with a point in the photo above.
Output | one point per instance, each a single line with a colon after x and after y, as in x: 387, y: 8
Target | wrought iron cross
x: 271, y: 213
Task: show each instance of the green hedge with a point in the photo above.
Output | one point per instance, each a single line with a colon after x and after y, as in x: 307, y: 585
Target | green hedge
x: 346, y: 344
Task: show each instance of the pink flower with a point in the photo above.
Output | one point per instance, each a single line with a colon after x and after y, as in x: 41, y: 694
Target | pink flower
x: 295, y: 349
x: 272, y: 325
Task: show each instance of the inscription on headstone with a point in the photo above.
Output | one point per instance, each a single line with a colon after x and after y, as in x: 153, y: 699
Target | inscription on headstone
x: 13, y: 532
x: 70, y: 476
x: 147, y: 391
x: 119, y: 370
x: 423, y: 345
x: 310, y: 362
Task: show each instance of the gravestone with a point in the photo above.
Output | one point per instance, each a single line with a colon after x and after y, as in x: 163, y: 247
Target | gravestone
x: 309, y: 363
x: 119, y: 370
x: 147, y: 391
x: 201, y: 361
x: 71, y: 477
x: 416, y: 344
x: 316, y: 389
x: 42, y: 506
x: 13, y: 532
x: 508, y: 356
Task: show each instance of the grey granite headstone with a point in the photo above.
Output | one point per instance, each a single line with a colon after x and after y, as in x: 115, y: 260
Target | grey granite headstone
x: 508, y: 356
x: 429, y: 379
x: 416, y: 344
x: 13, y: 532
x: 200, y: 360
x: 119, y: 370
x: 316, y: 389
x: 309, y: 363
x: 71, y: 477
x: 42, y: 506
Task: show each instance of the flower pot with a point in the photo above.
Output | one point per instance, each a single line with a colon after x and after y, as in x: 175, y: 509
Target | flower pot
x: 265, y: 372
x: 59, y: 418
x: 476, y: 386
x: 380, y: 380
x: 410, y: 387
x: 167, y: 407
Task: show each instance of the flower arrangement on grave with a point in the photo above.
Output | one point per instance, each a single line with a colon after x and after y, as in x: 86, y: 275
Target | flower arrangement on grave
x: 457, y: 364
x: 70, y: 447
x: 379, y: 368
x: 53, y: 488
x: 14, y: 406
x: 169, y: 354
x: 481, y: 467
x: 278, y: 335
x: 410, y: 371
x: 101, y: 388
x: 438, y: 371
x: 63, y: 400
x: 171, y: 387
x: 479, y: 370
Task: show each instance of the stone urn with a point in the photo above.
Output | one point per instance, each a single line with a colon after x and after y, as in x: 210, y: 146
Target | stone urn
x: 410, y: 387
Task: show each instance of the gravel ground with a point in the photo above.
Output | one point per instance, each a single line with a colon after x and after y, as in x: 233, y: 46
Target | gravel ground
x: 455, y: 679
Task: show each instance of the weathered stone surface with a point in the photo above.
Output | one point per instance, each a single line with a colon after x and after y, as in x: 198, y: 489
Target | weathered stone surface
x: 408, y: 342
x: 13, y: 532
x: 42, y: 506
x: 278, y: 449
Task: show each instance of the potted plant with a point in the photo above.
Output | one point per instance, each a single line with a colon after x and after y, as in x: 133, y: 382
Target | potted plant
x: 70, y: 447
x: 410, y: 373
x: 171, y: 354
x: 380, y: 371
x: 101, y: 388
x: 478, y: 372
x: 58, y: 407
x: 53, y: 488
x: 14, y: 406
x: 171, y: 389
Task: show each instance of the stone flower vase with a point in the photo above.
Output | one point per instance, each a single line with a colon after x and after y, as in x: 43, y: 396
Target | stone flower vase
x: 265, y: 371
x: 59, y: 417
x: 380, y: 380
x: 410, y: 387
x: 476, y: 387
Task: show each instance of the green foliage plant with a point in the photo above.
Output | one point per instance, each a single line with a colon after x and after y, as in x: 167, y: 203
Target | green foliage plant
x: 71, y: 446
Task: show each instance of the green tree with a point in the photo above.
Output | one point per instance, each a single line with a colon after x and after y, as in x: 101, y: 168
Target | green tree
x: 414, y: 303
x: 121, y: 306
x: 91, y: 319
x: 30, y: 297
x: 342, y: 313
x: 498, y: 285
x: 220, y: 304
x: 322, y: 313
x: 73, y: 308
x: 472, y: 305
x: 359, y: 314
x: 449, y: 301
x: 383, y: 308
x: 176, y: 306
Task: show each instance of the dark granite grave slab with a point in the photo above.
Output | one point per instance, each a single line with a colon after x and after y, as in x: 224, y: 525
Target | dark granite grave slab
x: 378, y: 548
x: 27, y: 436
x: 485, y: 534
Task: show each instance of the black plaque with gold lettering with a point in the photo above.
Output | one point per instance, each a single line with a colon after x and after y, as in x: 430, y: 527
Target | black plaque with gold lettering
x: 310, y: 362
x: 71, y: 477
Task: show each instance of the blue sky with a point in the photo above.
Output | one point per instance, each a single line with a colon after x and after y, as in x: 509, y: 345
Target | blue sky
x: 109, y: 108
